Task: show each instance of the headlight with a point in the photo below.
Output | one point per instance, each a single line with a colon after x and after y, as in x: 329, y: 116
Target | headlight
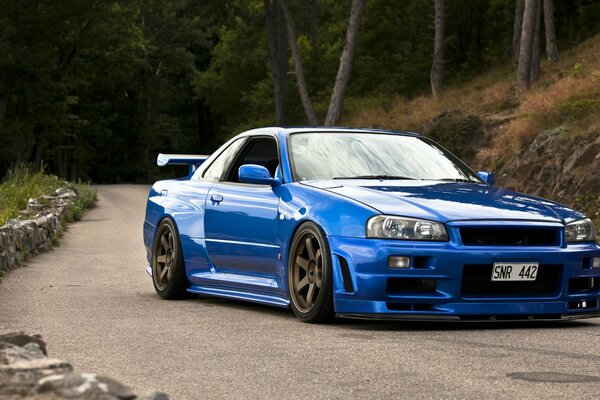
x: 580, y: 231
x: 389, y: 227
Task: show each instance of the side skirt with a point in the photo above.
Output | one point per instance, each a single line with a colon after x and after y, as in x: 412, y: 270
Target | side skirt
x: 241, y: 295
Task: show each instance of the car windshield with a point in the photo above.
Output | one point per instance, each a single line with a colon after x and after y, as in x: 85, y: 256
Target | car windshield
x: 348, y: 155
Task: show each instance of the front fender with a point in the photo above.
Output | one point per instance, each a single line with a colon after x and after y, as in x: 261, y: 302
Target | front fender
x: 335, y: 214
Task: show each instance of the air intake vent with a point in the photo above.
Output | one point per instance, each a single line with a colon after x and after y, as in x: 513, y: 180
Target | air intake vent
x: 346, y: 276
x: 510, y: 236
x: 407, y: 286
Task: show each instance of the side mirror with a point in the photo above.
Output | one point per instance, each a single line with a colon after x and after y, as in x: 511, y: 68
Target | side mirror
x: 488, y: 177
x: 257, y: 174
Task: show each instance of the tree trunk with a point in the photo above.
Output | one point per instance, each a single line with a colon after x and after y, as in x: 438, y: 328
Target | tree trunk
x: 282, y: 55
x: 437, y: 67
x: 571, y: 21
x: 551, y: 48
x: 346, y: 60
x: 526, y: 47
x: 535, y: 52
x: 516, y: 40
x: 3, y: 104
x: 302, y: 88
x: 276, y: 39
x: 39, y: 134
x: 205, y: 126
x: 314, y: 27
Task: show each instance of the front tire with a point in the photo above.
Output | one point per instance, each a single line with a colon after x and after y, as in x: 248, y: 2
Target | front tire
x: 310, y: 278
x: 168, y: 271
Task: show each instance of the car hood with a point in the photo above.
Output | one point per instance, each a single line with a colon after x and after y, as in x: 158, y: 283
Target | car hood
x: 448, y: 201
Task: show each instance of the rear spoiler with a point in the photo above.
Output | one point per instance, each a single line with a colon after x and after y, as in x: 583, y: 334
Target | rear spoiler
x: 193, y: 160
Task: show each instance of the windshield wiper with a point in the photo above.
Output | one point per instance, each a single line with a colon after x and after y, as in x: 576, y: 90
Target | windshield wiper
x: 457, y: 180
x: 380, y: 177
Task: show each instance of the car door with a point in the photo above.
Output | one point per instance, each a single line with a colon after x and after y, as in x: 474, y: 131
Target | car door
x: 240, y: 220
x: 191, y: 203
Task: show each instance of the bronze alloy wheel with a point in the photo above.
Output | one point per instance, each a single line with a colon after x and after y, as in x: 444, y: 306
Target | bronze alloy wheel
x: 168, y: 272
x: 162, y: 270
x: 309, y: 275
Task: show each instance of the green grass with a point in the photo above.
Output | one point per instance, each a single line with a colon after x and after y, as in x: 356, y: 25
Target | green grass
x: 21, y: 183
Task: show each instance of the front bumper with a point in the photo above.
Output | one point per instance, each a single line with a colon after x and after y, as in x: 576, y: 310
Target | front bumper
x: 364, y: 285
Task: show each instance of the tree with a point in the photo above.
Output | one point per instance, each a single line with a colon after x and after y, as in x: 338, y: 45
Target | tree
x: 3, y: 103
x: 277, y: 51
x: 516, y: 39
x: 526, y: 46
x: 551, y: 48
x: 346, y: 60
x: 437, y: 67
x: 535, y: 71
x: 314, y: 27
x: 302, y: 87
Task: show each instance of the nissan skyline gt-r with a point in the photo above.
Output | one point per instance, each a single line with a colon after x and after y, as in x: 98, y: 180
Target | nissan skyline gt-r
x: 365, y: 223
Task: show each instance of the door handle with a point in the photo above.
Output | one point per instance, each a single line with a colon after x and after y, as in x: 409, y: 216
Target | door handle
x: 216, y: 198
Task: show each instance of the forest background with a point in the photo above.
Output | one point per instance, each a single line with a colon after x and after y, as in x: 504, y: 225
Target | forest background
x: 94, y: 89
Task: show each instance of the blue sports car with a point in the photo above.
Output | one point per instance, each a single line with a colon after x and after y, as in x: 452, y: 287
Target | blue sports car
x: 365, y: 223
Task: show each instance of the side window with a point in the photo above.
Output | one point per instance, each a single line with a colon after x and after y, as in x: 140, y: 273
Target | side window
x: 262, y: 151
x: 218, y: 167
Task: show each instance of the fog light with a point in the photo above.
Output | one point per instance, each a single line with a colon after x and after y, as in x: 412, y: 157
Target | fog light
x: 398, y: 262
x: 596, y: 262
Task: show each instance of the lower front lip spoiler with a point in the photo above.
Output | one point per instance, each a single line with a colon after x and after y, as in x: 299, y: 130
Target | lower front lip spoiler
x: 470, y: 318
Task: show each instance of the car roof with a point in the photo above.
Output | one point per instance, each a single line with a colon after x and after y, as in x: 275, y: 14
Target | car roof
x: 286, y: 131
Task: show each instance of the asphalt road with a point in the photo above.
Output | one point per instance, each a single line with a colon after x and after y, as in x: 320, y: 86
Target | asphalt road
x: 92, y: 300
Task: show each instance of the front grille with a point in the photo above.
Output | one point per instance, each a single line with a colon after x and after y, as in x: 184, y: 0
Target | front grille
x: 477, y: 282
x: 510, y: 236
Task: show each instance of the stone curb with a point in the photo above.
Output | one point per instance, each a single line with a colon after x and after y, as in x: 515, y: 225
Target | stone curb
x: 41, y: 223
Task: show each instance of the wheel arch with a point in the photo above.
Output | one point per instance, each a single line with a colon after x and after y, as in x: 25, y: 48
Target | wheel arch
x: 159, y: 222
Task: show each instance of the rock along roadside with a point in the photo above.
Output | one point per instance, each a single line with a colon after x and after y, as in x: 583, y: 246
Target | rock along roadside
x: 26, y: 372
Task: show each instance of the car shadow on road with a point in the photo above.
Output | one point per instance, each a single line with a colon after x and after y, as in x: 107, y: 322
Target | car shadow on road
x: 244, y: 306
x: 456, y: 325
x: 387, y: 325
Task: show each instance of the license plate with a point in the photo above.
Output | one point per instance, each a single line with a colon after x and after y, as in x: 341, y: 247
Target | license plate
x: 515, y: 271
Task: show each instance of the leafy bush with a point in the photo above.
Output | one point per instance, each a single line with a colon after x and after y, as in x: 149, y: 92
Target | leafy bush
x: 579, y: 107
x: 460, y: 133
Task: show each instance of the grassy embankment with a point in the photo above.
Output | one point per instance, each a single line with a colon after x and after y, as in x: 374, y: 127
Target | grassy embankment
x: 567, y: 95
x: 20, y: 184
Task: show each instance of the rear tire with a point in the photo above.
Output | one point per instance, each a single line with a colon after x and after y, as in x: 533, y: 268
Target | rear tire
x: 168, y: 271
x: 310, y: 278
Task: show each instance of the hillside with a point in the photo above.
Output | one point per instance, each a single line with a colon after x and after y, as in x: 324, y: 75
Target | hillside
x: 546, y: 143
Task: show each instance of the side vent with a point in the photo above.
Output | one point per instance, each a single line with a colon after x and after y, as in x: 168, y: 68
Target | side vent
x: 348, y: 285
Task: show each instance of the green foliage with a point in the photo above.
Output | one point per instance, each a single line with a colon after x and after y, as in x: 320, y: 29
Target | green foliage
x: 578, y: 70
x: 86, y: 198
x: 55, y: 241
x: 578, y: 108
x: 94, y: 89
x: 232, y: 83
x: 20, y: 184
